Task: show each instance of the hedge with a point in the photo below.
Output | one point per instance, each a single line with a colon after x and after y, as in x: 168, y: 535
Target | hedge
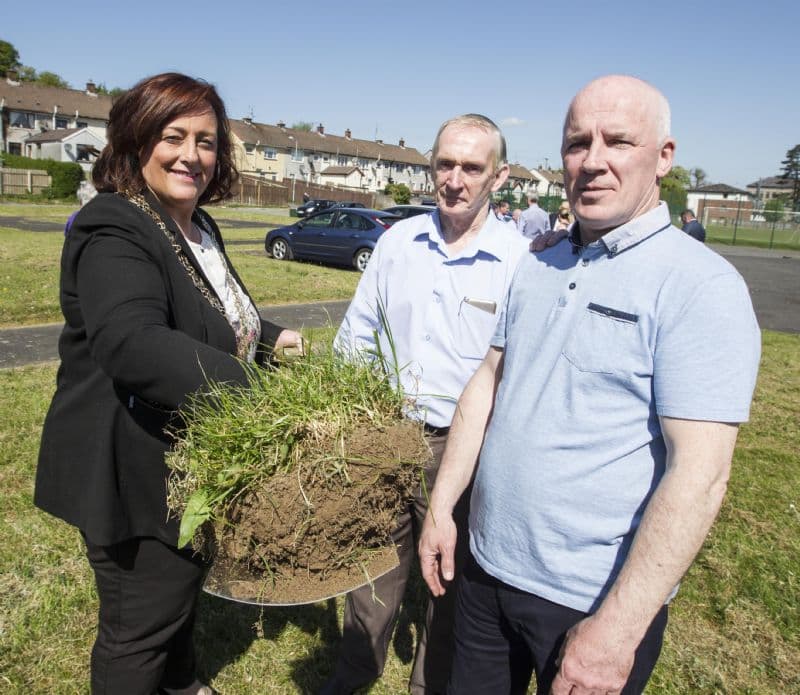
x: 65, y: 177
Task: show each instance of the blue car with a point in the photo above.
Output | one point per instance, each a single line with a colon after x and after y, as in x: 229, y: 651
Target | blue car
x: 340, y: 236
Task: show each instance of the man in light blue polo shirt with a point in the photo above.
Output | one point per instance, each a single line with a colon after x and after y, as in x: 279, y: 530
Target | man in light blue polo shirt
x: 533, y: 221
x: 605, y: 414
x: 440, y: 280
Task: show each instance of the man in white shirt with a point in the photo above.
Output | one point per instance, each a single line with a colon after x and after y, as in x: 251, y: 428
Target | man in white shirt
x: 440, y: 279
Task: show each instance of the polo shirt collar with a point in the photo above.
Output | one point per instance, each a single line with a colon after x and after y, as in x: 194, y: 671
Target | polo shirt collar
x: 629, y: 234
x: 488, y: 241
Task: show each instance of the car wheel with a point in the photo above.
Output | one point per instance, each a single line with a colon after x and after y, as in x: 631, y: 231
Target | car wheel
x: 281, y: 250
x: 361, y: 259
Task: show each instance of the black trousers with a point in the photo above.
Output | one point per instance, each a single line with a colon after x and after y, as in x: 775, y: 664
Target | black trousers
x: 504, y: 634
x: 369, y: 625
x: 148, y: 592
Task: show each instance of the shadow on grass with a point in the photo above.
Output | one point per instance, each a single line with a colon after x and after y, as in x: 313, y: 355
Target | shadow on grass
x: 225, y: 630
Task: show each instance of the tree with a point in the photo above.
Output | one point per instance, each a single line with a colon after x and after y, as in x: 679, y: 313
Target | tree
x: 306, y: 126
x: 9, y: 58
x: 51, y: 79
x: 673, y: 189
x: 26, y: 73
x: 791, y: 172
x: 114, y: 92
x: 699, y: 176
x: 773, y: 210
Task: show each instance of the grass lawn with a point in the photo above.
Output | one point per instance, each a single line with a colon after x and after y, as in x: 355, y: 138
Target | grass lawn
x: 734, y: 627
x: 29, y: 265
x: 782, y: 238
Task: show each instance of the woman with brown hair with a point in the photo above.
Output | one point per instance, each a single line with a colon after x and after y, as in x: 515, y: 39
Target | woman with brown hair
x: 154, y: 310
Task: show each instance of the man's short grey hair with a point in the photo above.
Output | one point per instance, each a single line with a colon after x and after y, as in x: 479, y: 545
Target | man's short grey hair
x: 474, y: 120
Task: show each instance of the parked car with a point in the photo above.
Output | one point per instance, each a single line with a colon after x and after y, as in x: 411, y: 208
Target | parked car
x: 404, y: 211
x: 314, y: 205
x: 341, y: 236
x: 349, y: 204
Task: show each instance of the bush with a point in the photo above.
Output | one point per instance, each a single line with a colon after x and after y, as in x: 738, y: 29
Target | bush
x: 401, y: 194
x: 65, y: 177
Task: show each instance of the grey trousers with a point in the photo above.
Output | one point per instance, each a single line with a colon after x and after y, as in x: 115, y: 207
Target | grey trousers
x: 368, y: 625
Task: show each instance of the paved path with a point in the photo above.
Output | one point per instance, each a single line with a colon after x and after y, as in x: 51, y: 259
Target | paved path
x: 32, y: 344
x: 772, y: 276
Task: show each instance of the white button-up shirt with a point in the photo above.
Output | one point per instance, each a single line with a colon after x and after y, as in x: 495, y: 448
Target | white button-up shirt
x: 441, y: 309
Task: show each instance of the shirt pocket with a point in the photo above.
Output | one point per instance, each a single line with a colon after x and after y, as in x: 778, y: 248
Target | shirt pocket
x: 474, y: 330
x: 607, y: 340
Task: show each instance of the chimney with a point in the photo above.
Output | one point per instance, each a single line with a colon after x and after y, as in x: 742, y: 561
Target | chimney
x: 91, y: 87
x: 11, y: 75
x: 281, y: 125
x: 402, y: 143
x: 321, y: 129
x: 347, y: 134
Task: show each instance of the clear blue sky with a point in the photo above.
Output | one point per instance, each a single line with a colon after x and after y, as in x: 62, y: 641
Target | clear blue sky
x: 730, y: 70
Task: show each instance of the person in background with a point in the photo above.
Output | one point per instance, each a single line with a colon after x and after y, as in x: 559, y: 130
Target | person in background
x: 604, y: 415
x: 692, y: 227
x: 154, y: 310
x: 534, y: 221
x: 562, y: 218
x: 439, y: 280
x: 501, y: 211
x: 515, y: 215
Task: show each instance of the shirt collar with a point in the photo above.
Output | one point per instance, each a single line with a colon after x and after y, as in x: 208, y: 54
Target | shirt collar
x: 492, y: 238
x: 629, y: 234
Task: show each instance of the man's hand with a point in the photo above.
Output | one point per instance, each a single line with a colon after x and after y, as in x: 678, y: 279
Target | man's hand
x: 593, y: 659
x: 546, y: 239
x: 436, y: 552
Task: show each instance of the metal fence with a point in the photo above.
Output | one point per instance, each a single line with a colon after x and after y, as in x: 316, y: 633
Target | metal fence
x: 753, y: 227
x: 22, y: 181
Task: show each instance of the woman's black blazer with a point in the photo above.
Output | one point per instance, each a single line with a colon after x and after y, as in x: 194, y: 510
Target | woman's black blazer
x: 139, y: 338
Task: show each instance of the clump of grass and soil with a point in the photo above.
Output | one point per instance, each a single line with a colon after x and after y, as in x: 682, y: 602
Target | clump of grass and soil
x: 294, y: 483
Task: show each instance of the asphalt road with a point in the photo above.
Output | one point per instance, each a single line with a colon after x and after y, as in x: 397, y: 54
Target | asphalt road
x: 772, y: 276
x: 32, y: 344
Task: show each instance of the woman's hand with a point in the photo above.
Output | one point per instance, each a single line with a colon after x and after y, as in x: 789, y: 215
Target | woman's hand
x: 290, y: 340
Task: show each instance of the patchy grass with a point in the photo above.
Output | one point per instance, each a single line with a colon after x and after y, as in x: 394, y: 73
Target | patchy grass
x: 734, y: 627
x: 29, y: 268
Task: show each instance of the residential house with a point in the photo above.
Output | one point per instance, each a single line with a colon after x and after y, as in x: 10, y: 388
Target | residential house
x: 519, y: 181
x: 276, y: 152
x: 28, y: 109
x: 719, y: 203
x: 769, y: 188
x: 549, y: 183
x: 81, y: 145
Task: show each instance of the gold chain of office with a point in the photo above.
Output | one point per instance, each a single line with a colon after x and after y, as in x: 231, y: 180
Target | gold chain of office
x: 243, y: 342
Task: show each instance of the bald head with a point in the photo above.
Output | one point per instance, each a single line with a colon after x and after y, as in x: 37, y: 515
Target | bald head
x: 616, y: 148
x: 630, y: 90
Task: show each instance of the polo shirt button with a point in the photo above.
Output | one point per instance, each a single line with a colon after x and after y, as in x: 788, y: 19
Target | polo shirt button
x: 572, y: 285
x: 585, y: 262
x: 427, y: 338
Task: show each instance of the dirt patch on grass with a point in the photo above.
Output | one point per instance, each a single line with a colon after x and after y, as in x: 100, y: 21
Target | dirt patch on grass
x: 324, y: 527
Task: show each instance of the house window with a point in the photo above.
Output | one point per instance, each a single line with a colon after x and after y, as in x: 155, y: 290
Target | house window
x: 326, y: 157
x: 15, y: 148
x: 297, y: 155
x: 342, y: 161
x: 61, y: 122
x: 22, y: 119
x: 249, y: 148
x: 270, y: 153
x: 81, y: 124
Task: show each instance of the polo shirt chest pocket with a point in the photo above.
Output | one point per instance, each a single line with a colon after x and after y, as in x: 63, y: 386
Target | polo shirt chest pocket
x: 607, y: 340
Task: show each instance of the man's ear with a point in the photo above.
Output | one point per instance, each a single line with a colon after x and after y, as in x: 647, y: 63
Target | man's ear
x: 665, y: 158
x: 500, y: 177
